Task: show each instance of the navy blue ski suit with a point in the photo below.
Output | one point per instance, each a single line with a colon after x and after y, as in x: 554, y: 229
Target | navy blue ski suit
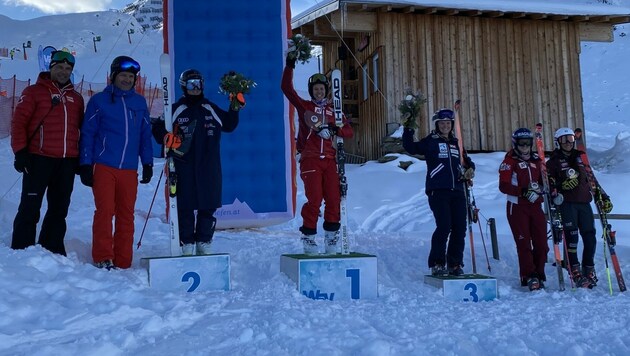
x: 199, y: 178
x: 446, y: 195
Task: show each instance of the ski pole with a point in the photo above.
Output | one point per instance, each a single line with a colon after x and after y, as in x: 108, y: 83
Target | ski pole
x: 150, y: 207
x: 11, y: 187
x: 483, y: 241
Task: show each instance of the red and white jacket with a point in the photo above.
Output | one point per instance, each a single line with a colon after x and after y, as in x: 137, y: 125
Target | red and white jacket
x: 515, y: 175
x: 309, y: 144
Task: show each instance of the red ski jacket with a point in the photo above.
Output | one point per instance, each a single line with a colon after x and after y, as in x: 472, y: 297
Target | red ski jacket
x: 50, y: 117
x: 309, y: 144
x: 515, y: 175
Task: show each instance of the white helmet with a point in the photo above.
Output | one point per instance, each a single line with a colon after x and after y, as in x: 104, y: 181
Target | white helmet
x: 563, y: 131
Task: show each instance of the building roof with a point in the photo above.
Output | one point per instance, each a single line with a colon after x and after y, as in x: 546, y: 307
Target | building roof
x: 576, y: 10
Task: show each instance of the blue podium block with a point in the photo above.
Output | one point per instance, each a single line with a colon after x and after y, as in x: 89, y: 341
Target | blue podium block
x: 189, y: 273
x: 466, y: 288
x: 335, y: 277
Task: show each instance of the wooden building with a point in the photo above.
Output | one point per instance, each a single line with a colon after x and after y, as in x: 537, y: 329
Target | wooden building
x: 511, y: 68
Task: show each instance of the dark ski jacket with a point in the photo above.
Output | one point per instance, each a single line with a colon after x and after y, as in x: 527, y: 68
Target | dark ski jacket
x: 557, y: 168
x: 442, y: 157
x: 116, y: 130
x: 199, y: 177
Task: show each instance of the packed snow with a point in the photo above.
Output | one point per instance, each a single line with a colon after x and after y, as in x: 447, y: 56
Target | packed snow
x: 53, y: 305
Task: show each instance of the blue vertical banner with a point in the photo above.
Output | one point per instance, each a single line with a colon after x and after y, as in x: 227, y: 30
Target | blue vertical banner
x: 248, y: 37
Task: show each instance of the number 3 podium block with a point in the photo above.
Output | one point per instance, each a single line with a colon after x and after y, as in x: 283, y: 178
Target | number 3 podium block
x: 332, y: 277
x: 467, y: 288
x: 189, y: 273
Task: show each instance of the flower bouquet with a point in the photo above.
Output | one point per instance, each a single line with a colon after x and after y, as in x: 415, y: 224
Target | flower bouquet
x: 299, y: 48
x: 410, y: 108
x: 235, y: 85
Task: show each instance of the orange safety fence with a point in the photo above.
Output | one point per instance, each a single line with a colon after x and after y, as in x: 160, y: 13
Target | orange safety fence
x: 11, y: 89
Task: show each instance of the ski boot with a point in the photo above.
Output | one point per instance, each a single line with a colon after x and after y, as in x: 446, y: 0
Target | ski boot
x: 188, y: 249
x: 533, y: 283
x: 456, y: 270
x: 203, y: 248
x: 589, y: 272
x: 579, y: 280
x: 330, y: 241
x: 310, y: 246
x: 439, y: 271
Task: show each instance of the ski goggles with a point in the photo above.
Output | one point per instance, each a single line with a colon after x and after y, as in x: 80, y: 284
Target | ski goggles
x: 317, y: 78
x: 524, y: 142
x: 194, y: 84
x: 129, y: 65
x: 445, y: 114
x: 61, y: 57
x: 566, y: 139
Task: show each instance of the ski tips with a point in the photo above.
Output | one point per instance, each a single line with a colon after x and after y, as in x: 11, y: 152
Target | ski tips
x: 457, y: 105
x: 539, y: 125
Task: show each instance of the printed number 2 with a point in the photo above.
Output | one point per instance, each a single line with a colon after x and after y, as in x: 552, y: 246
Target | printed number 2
x: 473, y: 292
x: 196, y: 280
x: 355, y: 283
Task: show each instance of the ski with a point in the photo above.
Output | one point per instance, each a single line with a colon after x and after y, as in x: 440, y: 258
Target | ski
x: 171, y: 175
x: 341, y: 160
x: 607, y: 234
x: 470, y: 203
x: 551, y: 211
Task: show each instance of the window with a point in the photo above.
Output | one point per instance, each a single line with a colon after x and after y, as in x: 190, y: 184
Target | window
x: 375, y: 73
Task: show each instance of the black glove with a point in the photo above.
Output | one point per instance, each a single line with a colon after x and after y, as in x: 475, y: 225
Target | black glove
x: 147, y: 173
x: 87, y: 175
x: 22, y: 161
x: 291, y: 62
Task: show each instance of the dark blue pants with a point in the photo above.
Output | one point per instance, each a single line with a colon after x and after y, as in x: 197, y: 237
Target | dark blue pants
x: 55, y: 178
x: 579, y: 217
x: 201, y: 231
x: 449, y: 211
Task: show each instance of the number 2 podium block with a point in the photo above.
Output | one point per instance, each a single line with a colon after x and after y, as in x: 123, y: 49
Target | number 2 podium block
x: 189, y: 273
x: 332, y: 277
x: 466, y: 288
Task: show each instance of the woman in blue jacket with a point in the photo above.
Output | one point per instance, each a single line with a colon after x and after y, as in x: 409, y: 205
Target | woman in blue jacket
x: 445, y: 185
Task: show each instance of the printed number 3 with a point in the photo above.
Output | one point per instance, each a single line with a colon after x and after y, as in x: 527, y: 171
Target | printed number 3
x: 473, y: 292
x: 196, y: 280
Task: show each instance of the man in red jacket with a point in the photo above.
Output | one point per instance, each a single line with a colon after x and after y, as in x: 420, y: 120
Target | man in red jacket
x: 45, y: 140
x: 318, y: 165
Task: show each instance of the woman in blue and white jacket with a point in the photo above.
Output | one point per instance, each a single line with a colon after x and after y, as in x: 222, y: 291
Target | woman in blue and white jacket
x: 445, y: 185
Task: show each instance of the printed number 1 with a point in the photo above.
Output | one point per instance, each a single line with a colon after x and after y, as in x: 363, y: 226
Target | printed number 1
x: 355, y: 283
x: 196, y: 280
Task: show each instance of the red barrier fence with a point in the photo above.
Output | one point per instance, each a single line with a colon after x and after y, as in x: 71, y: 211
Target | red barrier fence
x: 11, y: 89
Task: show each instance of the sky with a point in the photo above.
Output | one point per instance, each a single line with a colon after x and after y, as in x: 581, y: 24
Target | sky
x: 28, y: 9
x: 52, y: 305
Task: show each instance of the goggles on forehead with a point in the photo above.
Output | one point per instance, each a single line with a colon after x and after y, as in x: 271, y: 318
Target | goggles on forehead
x: 566, y: 139
x: 317, y: 78
x: 445, y: 114
x: 194, y: 84
x: 62, y: 56
x: 129, y: 65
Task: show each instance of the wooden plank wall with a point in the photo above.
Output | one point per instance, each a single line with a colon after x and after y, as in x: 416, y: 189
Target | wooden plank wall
x: 509, y: 73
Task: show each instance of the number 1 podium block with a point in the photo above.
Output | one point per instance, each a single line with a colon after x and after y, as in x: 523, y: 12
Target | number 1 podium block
x: 332, y: 277
x: 466, y: 288
x: 189, y: 273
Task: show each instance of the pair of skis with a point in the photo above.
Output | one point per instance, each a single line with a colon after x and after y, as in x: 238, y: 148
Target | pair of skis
x: 337, y: 95
x: 171, y: 177
x: 551, y: 211
x: 607, y: 234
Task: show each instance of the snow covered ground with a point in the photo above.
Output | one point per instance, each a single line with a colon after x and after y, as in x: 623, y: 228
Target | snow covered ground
x: 52, y: 305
